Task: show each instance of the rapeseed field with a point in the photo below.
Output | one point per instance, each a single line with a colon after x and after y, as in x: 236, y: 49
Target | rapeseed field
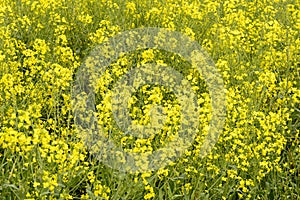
x: 254, y: 45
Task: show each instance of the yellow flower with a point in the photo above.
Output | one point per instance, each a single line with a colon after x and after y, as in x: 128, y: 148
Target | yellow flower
x: 131, y: 7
